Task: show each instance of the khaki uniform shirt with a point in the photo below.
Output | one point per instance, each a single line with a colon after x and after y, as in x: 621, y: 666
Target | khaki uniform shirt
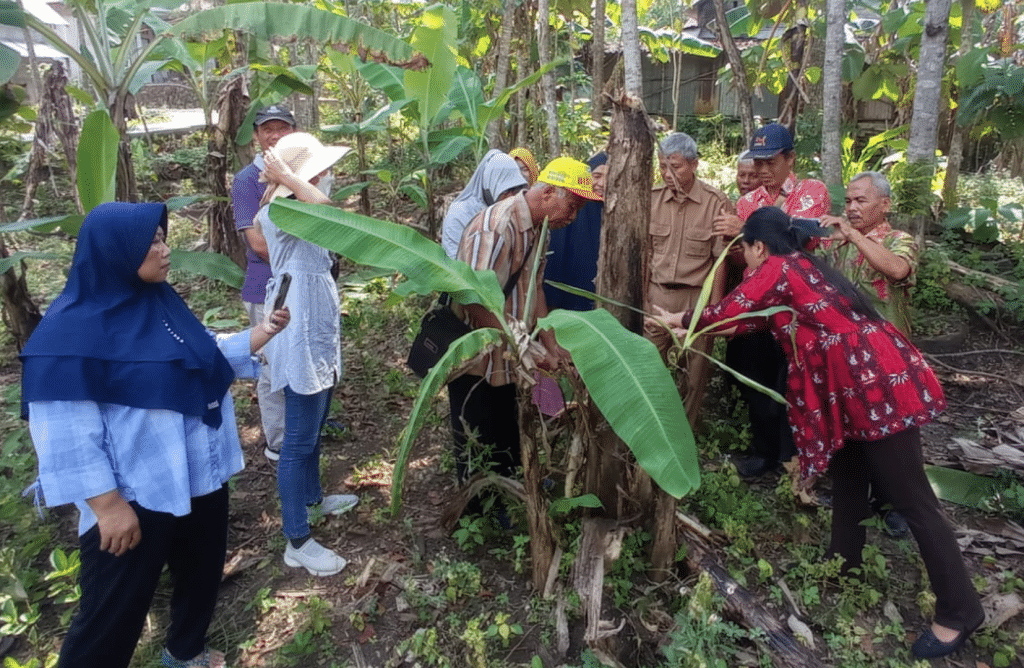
x: 683, y: 249
x: 498, y: 238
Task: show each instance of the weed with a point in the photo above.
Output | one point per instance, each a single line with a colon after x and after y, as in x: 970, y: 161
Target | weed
x: 631, y: 561
x: 461, y: 579
x: 470, y: 533
x: 501, y: 628
x: 476, y: 641
x: 701, y: 637
x: 421, y: 648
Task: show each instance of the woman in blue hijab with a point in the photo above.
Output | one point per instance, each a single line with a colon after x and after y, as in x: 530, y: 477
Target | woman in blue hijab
x: 127, y: 399
x: 573, y: 249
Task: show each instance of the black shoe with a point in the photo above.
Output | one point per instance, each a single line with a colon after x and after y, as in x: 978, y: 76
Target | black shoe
x: 927, y: 646
x: 752, y: 466
x: 895, y: 525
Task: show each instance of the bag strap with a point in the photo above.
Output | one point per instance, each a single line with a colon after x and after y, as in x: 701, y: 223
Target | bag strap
x: 445, y: 298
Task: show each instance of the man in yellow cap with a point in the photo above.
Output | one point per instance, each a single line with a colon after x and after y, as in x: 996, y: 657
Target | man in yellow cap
x: 503, y: 238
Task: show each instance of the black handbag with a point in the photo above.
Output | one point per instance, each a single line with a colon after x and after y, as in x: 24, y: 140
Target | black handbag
x: 439, y: 328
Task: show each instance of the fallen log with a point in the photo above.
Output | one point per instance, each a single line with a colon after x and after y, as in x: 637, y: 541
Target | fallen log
x: 740, y: 605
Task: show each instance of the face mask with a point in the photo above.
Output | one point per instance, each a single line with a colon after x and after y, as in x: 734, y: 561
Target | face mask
x: 325, y: 183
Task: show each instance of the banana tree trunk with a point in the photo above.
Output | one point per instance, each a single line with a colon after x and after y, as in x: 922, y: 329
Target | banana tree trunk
x: 21, y: 315
x: 223, y: 236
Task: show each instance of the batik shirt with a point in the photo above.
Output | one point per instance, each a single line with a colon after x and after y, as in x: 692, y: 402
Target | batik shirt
x: 804, y: 199
x: 850, y: 377
x: 891, y: 298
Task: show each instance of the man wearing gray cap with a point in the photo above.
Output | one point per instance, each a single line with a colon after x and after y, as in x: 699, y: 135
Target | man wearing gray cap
x: 270, y: 124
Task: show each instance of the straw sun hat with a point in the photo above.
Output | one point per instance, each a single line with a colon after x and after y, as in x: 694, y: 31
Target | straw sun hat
x: 306, y: 156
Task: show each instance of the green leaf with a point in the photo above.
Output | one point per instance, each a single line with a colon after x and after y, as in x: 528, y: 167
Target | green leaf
x: 11, y: 14
x: 97, y: 160
x: 565, y: 505
x: 461, y: 350
x: 9, y: 62
x: 963, y: 488
x: 616, y: 363
x: 813, y: 74
x: 212, y: 265
x: 385, y: 78
x: 268, y: 21
x: 379, y: 243
x: 14, y: 259
x: 449, y: 150
x: 853, y: 62
x: 44, y: 224
x: 181, y: 201
x: 435, y: 37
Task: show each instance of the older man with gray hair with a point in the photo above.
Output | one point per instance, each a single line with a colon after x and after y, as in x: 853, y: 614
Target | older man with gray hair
x: 683, y: 251
x: 879, y: 259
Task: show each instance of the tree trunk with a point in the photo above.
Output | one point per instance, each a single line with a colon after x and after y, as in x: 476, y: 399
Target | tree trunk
x: 501, y: 69
x: 223, y: 236
x: 597, y: 62
x: 739, y: 71
x: 832, y: 93
x: 956, y: 141
x: 924, y: 121
x: 631, y: 59
x: 548, y: 79
x: 21, y: 315
x: 799, y: 40
x: 56, y: 121
x: 126, y: 188
x: 542, y: 532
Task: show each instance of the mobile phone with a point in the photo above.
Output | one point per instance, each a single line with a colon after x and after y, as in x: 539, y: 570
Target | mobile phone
x: 282, y: 290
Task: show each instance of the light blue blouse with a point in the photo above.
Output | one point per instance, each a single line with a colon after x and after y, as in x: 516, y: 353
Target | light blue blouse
x: 156, y: 457
x: 306, y: 355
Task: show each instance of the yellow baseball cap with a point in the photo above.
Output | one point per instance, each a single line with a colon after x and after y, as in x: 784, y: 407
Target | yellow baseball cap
x: 572, y: 175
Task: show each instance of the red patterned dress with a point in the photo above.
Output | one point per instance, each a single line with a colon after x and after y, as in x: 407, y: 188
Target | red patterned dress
x: 850, y: 377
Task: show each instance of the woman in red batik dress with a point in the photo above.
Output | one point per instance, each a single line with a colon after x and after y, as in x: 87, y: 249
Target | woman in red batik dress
x: 858, y: 392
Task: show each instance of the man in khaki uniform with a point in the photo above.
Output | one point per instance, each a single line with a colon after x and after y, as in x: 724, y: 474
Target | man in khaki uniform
x: 683, y: 251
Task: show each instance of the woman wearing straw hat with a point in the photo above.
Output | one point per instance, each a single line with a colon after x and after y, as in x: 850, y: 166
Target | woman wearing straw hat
x: 306, y: 364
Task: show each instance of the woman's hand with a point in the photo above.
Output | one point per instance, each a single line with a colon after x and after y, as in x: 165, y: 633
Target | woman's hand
x: 276, y: 321
x: 269, y: 328
x: 118, y: 523
x: 275, y: 169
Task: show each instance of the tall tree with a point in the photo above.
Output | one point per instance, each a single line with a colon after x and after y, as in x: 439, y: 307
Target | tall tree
x: 956, y: 140
x: 739, y: 70
x: 547, y: 82
x: 501, y: 69
x: 924, y: 121
x: 597, y: 62
x: 832, y: 92
x: 631, y: 61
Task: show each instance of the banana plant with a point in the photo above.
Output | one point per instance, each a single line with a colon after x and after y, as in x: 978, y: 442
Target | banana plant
x: 623, y: 372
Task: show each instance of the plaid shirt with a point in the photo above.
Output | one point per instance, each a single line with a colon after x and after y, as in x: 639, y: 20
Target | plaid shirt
x: 498, y: 239
x: 156, y: 457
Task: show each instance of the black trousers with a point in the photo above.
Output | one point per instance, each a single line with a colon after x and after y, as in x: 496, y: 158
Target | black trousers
x: 117, y: 591
x: 493, y: 413
x: 759, y: 357
x: 895, y: 467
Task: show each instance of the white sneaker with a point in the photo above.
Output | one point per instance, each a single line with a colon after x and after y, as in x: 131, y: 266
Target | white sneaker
x: 315, y: 558
x: 271, y: 454
x: 334, y: 504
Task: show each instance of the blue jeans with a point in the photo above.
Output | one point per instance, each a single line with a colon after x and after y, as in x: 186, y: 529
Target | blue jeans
x: 298, y: 470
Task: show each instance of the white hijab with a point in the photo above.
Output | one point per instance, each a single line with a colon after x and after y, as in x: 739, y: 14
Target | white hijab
x: 496, y: 173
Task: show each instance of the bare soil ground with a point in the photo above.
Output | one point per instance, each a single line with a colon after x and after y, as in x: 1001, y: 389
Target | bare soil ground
x: 401, y: 577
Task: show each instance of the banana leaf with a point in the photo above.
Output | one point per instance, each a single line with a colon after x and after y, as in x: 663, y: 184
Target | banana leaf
x: 212, y: 265
x: 634, y: 391
x: 461, y: 350
x: 378, y: 243
x: 436, y: 38
x: 15, y: 258
x: 963, y: 488
x: 97, y: 160
x: 269, y: 21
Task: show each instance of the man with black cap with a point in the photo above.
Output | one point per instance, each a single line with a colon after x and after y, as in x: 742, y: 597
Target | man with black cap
x: 270, y: 124
x: 758, y: 355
